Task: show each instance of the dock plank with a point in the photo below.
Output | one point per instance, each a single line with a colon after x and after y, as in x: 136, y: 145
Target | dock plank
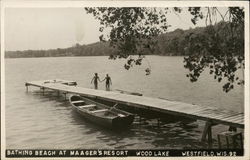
x: 234, y: 118
x: 240, y: 121
x: 219, y: 116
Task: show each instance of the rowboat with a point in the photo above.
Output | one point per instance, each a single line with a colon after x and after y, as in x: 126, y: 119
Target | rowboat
x: 107, y: 116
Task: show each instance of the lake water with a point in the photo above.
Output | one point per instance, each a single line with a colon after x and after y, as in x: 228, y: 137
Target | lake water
x: 34, y: 121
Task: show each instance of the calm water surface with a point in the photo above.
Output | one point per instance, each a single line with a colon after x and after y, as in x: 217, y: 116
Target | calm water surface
x: 34, y: 121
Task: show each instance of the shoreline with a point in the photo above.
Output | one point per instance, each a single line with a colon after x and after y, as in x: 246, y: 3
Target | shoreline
x: 94, y: 56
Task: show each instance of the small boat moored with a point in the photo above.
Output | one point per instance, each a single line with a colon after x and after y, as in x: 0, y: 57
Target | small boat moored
x: 107, y: 116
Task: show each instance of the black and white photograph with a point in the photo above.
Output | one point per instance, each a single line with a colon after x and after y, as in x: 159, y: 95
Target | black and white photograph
x: 135, y: 79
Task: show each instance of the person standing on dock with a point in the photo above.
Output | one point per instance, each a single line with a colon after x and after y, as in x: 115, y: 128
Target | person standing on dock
x: 108, y: 82
x: 95, y: 79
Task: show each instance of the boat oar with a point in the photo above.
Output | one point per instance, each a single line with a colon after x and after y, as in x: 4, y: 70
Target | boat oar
x: 113, y: 106
x: 119, y: 114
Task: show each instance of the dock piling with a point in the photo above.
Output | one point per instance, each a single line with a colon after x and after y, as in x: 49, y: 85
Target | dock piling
x: 27, y: 88
x: 231, y: 136
x: 209, y: 137
x: 65, y: 95
x: 158, y: 122
x: 207, y: 133
x: 43, y: 90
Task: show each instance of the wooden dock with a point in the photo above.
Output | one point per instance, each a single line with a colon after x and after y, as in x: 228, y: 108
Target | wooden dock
x: 211, y: 115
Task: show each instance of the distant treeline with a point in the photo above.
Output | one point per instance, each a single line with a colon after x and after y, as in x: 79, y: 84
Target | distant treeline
x: 169, y: 44
x: 95, y: 49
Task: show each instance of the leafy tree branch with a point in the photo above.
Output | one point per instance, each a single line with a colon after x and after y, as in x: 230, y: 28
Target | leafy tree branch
x: 134, y: 31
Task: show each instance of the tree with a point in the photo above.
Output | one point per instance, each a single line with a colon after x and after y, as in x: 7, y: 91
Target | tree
x: 132, y: 30
x: 221, y: 49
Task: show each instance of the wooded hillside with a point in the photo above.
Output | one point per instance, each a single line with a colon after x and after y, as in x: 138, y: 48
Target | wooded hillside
x: 170, y: 44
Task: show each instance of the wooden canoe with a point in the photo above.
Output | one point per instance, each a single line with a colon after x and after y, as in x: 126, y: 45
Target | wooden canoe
x: 107, y: 116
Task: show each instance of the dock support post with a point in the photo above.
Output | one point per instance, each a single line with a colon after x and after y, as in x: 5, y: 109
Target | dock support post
x: 27, y: 87
x: 65, y: 95
x: 42, y: 88
x: 209, y: 137
x: 219, y: 144
x: 241, y: 141
x: 158, y: 122
x: 208, y: 132
x: 231, y: 128
x: 232, y: 136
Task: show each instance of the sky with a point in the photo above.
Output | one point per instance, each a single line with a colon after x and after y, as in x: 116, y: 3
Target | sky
x: 51, y: 28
